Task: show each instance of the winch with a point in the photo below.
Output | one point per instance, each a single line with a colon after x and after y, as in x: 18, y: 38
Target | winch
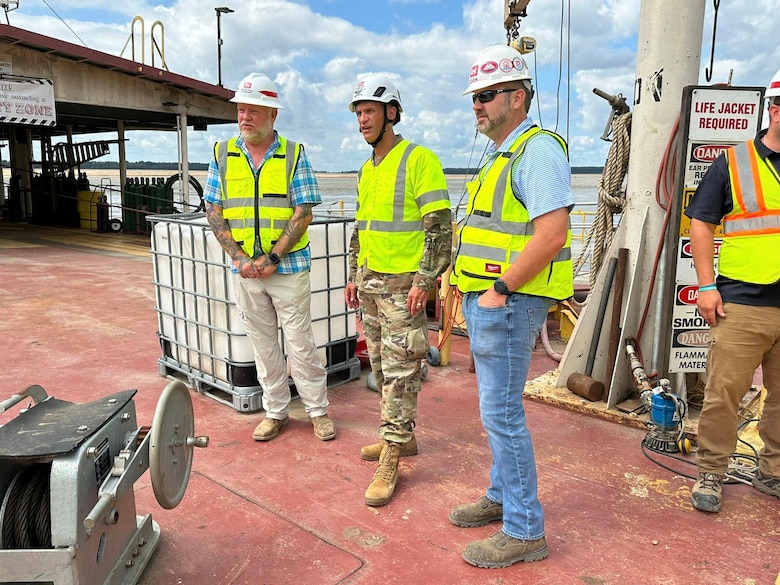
x: 67, y: 470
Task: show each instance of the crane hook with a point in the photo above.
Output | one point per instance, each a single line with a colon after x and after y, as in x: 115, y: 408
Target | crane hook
x: 708, y: 70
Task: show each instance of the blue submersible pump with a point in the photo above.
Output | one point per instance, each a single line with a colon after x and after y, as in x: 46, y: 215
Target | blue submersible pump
x: 667, y: 410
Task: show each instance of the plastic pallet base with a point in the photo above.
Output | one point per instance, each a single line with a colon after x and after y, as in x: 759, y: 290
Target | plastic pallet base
x: 238, y: 401
x: 339, y: 374
x: 249, y: 398
x: 240, y: 398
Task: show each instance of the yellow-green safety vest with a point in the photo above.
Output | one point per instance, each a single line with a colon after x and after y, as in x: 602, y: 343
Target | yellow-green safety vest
x: 751, y: 231
x: 498, y: 227
x: 392, y: 199
x: 257, y: 208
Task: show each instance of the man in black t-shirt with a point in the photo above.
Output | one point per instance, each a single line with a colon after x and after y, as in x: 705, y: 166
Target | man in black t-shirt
x: 742, y: 306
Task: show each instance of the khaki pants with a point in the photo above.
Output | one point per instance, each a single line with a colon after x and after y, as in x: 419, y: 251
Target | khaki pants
x: 285, y: 298
x: 741, y: 341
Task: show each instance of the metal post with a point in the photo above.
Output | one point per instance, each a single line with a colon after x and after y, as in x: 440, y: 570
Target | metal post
x: 220, y: 10
x: 668, y: 53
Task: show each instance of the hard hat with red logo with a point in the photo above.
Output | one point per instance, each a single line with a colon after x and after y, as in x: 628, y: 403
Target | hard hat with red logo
x: 497, y: 64
x: 773, y: 90
x: 259, y: 90
x: 375, y: 88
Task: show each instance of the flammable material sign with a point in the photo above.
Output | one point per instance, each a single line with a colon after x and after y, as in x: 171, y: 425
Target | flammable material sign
x: 690, y: 332
x: 686, y: 271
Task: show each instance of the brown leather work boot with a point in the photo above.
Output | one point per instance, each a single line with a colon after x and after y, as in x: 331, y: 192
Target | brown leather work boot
x: 381, y: 489
x: 501, y: 550
x: 481, y: 512
x: 372, y: 452
x: 324, y: 429
x: 767, y: 484
x: 269, y: 428
x: 707, y: 491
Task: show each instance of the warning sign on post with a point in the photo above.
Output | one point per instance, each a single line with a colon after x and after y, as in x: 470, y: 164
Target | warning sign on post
x: 29, y: 102
x: 714, y: 119
x: 690, y: 337
x: 731, y: 115
x: 700, y: 156
x: 686, y: 271
x: 685, y: 221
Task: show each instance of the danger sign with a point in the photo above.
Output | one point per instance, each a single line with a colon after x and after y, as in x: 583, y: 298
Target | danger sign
x: 686, y: 271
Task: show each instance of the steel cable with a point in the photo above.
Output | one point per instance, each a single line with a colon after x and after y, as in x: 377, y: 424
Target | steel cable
x: 26, y: 520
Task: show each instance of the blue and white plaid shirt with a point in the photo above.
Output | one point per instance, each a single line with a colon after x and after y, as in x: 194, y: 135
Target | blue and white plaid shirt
x: 304, y: 190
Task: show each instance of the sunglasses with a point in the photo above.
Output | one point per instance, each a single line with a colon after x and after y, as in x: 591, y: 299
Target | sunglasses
x: 490, y: 94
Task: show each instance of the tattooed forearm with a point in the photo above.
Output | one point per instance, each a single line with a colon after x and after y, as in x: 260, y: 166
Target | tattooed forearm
x: 294, y: 230
x: 221, y: 229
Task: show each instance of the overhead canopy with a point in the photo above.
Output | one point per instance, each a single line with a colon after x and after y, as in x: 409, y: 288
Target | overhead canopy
x: 94, y: 91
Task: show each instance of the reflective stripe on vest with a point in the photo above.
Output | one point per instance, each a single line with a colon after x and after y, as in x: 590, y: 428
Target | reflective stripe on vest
x: 498, y: 228
x: 389, y: 212
x: 257, y: 207
x: 397, y: 223
x: 751, y: 230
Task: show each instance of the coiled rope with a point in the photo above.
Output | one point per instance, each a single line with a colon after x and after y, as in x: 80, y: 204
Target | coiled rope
x: 611, y: 201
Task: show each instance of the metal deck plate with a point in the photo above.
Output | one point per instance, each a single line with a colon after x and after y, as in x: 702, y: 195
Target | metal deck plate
x: 56, y: 427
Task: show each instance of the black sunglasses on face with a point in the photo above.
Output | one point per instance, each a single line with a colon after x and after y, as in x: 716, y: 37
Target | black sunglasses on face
x: 490, y: 94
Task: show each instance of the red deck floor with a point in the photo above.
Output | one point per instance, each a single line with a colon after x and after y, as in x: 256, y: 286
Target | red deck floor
x: 79, y: 319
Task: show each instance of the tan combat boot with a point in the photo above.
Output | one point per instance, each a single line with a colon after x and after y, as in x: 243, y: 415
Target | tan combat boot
x: 381, y: 489
x: 372, y: 452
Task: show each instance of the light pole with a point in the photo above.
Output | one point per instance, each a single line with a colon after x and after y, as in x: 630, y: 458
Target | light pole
x: 220, y: 10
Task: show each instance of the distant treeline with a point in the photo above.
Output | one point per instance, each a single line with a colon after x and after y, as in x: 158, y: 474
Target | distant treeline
x: 143, y: 165
x: 172, y: 166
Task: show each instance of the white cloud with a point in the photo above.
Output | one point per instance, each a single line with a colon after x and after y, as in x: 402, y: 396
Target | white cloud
x: 316, y: 50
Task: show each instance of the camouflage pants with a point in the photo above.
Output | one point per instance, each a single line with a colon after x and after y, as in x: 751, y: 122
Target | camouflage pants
x: 396, y: 341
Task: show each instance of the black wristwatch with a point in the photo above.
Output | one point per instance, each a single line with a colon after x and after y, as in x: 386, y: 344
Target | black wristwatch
x: 500, y: 287
x: 274, y: 258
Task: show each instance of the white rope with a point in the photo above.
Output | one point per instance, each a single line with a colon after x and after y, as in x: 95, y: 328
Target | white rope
x: 611, y: 198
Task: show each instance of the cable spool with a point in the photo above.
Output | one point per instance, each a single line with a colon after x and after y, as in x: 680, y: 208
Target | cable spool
x: 25, y: 515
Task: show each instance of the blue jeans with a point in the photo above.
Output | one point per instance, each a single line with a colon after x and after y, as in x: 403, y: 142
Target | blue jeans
x: 502, y: 340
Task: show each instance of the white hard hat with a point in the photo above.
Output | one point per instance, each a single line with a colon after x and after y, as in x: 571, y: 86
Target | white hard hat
x: 375, y: 88
x: 497, y: 64
x: 259, y: 90
x: 773, y: 90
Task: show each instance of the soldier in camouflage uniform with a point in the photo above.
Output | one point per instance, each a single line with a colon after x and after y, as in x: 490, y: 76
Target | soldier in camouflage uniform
x: 402, y: 242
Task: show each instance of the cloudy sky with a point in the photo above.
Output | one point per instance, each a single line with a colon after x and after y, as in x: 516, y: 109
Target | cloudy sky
x: 315, y: 50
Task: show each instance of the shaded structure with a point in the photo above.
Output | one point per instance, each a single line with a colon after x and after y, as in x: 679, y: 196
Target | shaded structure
x: 93, y: 92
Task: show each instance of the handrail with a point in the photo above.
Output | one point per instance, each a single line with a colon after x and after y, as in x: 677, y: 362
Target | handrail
x: 161, y: 47
x: 131, y: 39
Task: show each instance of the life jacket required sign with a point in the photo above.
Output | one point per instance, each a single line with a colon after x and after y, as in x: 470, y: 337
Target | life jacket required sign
x: 728, y: 115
